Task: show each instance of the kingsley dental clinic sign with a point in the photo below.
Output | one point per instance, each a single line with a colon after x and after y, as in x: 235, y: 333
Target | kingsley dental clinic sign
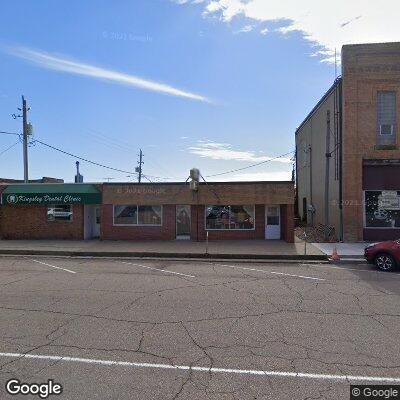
x: 51, y: 194
x: 42, y: 199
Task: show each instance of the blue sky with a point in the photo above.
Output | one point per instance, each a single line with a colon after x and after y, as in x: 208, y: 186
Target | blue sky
x: 191, y: 84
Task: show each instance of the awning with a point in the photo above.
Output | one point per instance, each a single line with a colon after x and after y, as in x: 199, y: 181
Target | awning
x: 49, y: 193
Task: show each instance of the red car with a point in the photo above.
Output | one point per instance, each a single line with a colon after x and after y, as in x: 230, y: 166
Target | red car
x: 385, y: 255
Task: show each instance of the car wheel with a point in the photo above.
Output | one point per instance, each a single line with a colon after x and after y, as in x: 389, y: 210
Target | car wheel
x: 385, y: 262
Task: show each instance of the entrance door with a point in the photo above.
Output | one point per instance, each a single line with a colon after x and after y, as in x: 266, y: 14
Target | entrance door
x: 272, y: 222
x: 183, y: 222
x: 92, y: 221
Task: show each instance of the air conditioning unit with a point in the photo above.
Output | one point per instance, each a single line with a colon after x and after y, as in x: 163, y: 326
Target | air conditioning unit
x: 311, y: 208
x: 194, y: 185
x: 386, y: 129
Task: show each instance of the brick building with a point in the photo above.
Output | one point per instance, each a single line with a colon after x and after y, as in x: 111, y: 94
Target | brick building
x: 159, y: 211
x: 50, y: 211
x: 347, y: 148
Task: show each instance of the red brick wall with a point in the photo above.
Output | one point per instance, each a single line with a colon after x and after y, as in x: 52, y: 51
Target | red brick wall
x: 29, y: 222
x: 287, y: 223
x: 165, y: 232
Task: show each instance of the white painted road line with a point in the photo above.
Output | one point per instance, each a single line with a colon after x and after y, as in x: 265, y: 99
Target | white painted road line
x: 328, y: 267
x: 54, y: 266
x: 285, y: 374
x: 269, y: 272
x: 157, y: 269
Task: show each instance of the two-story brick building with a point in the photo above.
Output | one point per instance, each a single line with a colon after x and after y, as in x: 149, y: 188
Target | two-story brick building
x: 347, y: 148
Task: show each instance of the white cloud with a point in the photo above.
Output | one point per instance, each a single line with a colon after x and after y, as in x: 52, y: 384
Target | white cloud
x: 245, y: 29
x: 58, y: 63
x: 264, y: 31
x: 257, y: 176
x: 224, y: 151
x: 329, y: 25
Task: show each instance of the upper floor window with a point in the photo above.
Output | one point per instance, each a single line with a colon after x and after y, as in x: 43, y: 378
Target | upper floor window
x: 386, y: 134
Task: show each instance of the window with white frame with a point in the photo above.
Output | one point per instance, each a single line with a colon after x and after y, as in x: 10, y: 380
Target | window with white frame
x: 386, y: 118
x: 382, y: 209
x: 137, y: 215
x: 230, y: 217
x: 62, y: 212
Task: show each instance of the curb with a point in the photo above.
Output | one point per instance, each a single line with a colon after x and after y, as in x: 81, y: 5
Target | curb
x: 349, y: 260
x: 208, y: 256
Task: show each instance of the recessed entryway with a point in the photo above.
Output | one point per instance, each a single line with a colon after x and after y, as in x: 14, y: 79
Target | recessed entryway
x: 183, y: 222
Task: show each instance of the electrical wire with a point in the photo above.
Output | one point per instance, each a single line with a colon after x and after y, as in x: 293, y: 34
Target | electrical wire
x: 10, y: 133
x: 84, y: 159
x: 250, y: 166
x: 10, y: 147
x: 147, y: 177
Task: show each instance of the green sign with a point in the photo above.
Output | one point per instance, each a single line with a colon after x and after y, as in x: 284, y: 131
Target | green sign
x: 51, y: 198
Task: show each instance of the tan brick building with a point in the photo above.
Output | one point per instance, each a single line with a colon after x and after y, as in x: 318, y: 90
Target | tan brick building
x: 348, y: 148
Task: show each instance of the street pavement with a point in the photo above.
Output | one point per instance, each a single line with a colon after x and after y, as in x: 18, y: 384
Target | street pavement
x: 155, y: 329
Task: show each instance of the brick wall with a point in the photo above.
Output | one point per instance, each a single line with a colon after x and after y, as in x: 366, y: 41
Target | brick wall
x: 287, y: 223
x: 165, y: 232
x: 367, y: 69
x: 29, y: 222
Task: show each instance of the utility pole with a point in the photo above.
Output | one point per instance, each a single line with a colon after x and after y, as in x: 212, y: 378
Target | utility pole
x: 139, y: 168
x: 327, y: 167
x: 26, y: 131
x: 25, y: 139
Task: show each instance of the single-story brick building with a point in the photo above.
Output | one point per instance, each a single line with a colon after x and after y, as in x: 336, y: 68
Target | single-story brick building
x: 158, y: 211
x: 50, y: 211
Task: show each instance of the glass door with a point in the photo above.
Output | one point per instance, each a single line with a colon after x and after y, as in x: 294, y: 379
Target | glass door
x: 183, y: 222
x: 272, y: 222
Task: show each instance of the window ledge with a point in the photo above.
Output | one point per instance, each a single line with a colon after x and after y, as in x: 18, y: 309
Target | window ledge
x: 386, y: 147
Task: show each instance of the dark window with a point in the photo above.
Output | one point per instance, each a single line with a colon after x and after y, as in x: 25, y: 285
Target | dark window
x: 137, y: 215
x: 229, y: 217
x: 386, y: 118
x: 382, y: 209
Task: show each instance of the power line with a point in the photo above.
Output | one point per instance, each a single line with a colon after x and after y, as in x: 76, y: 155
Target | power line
x: 10, y: 133
x: 147, y: 177
x: 251, y: 166
x: 84, y: 159
x: 9, y: 148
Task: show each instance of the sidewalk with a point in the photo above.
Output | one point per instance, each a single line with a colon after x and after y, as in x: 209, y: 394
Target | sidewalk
x: 228, y: 249
x: 345, y: 250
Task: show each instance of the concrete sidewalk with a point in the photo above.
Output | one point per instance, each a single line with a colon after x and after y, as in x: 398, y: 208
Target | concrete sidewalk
x: 345, y: 250
x: 228, y: 249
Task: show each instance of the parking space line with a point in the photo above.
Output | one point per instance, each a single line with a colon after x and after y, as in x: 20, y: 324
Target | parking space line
x: 328, y: 267
x: 270, y: 272
x: 53, y: 266
x: 157, y: 269
x: 285, y: 374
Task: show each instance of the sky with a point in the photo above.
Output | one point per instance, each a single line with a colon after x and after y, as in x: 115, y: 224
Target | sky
x: 218, y: 85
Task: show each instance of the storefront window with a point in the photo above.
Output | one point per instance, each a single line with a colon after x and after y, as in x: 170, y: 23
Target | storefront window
x: 59, y: 212
x: 137, y: 215
x: 382, y: 209
x: 230, y: 217
x: 149, y: 215
x: 125, y: 215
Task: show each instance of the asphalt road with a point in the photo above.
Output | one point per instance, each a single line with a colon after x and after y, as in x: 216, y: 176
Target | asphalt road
x: 142, y: 329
